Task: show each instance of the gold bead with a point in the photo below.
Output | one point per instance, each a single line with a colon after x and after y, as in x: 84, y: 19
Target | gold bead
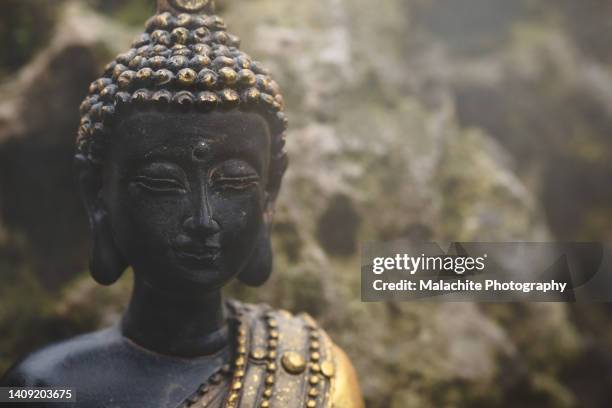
x: 313, y: 392
x: 136, y: 62
x: 223, y: 61
x: 230, y: 97
x: 267, y: 99
x: 190, y: 5
x: 272, y: 343
x: 311, y: 403
x: 315, y: 368
x: 157, y: 62
x: 201, y: 49
x: 273, y: 334
x: 244, y: 61
x: 117, y: 70
x: 237, y: 385
x: 273, y: 87
x: 207, y: 100
x: 221, y: 37
x: 280, y: 100
x: 183, y: 99
x: 246, y: 77
x: 163, y: 77
x: 184, y: 19
x: 187, y: 76
x: 258, y: 353
x: 207, y: 79
x: 314, y: 345
x: 328, y: 369
x: 201, y: 32
x: 162, y: 20
x: 227, y: 75
x: 313, y: 380
x: 293, y: 362
x: 239, y: 373
x: 272, y: 322
x: 215, y: 21
x: 272, y: 354
x: 144, y: 74
x: 267, y: 392
x: 271, y: 367
x: 198, y: 62
x: 265, y: 404
x: 97, y: 86
x: 240, y: 361
x: 160, y: 37
x: 180, y: 35
x: 270, y: 379
x: 251, y: 95
x: 125, y: 79
x: 315, y: 356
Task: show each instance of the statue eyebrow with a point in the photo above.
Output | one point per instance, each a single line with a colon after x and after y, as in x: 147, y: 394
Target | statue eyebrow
x: 166, y: 151
x: 163, y: 152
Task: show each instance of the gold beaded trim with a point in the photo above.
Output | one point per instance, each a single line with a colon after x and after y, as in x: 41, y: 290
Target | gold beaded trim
x: 272, y: 326
x: 202, y: 395
x: 239, y: 364
x: 314, y: 378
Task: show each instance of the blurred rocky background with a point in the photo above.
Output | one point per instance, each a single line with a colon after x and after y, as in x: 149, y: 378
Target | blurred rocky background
x: 428, y: 119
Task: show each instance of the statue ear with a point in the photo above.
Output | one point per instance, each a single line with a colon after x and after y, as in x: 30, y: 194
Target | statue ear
x: 106, y: 264
x: 259, y: 266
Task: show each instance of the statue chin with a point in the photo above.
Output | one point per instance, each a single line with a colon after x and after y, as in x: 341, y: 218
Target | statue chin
x: 180, y: 156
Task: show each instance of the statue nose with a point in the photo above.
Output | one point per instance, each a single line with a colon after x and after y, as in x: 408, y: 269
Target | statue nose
x: 202, y: 220
x: 202, y: 223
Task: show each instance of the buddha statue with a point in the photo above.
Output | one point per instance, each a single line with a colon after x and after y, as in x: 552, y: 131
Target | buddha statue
x: 179, y: 159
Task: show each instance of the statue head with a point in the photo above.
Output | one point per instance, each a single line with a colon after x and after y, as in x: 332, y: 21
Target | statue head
x: 180, y: 155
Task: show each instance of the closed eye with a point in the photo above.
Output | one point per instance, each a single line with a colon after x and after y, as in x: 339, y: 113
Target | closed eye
x: 237, y: 183
x: 160, y: 185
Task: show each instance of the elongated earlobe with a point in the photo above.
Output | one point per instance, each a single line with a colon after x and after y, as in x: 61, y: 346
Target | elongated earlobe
x: 259, y: 267
x: 106, y: 263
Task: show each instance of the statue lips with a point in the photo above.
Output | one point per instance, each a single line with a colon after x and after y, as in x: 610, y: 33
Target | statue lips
x: 198, y: 254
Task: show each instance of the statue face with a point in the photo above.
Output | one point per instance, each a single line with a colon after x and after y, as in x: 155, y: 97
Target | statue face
x: 185, y: 194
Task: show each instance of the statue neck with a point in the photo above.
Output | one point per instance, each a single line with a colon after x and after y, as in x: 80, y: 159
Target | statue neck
x: 183, y: 326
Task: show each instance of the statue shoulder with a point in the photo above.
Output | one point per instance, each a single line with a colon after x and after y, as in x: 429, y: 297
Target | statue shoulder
x: 298, y: 362
x: 345, y: 387
x: 54, y: 364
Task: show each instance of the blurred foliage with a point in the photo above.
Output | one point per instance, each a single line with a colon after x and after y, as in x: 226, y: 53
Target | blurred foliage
x: 131, y: 12
x: 25, y: 27
x: 470, y: 26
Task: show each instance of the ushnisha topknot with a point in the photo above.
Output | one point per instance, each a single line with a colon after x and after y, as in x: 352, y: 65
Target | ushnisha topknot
x: 185, y: 60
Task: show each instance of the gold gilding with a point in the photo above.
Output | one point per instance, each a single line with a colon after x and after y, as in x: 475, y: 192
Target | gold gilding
x: 328, y: 369
x: 189, y: 5
x: 293, y: 362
